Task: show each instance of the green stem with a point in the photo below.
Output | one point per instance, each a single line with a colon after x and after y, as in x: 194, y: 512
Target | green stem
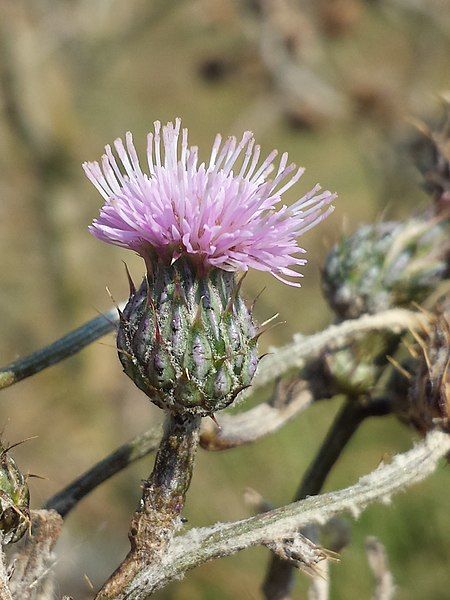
x: 66, y: 346
x: 142, y: 445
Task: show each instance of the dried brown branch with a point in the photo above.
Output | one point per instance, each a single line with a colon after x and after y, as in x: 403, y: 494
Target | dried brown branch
x: 379, y: 565
x: 159, y: 512
x: 223, y: 539
x: 32, y: 573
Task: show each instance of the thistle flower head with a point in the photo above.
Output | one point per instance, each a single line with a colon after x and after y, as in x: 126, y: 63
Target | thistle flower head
x: 224, y: 213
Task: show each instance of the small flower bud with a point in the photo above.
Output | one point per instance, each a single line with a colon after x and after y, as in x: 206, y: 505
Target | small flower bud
x: 188, y: 340
x: 385, y: 265
x: 14, y: 499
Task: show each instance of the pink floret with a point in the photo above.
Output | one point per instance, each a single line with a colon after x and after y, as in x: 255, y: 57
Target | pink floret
x: 226, y: 212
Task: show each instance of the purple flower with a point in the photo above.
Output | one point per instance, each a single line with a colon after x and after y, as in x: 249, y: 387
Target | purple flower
x: 225, y: 212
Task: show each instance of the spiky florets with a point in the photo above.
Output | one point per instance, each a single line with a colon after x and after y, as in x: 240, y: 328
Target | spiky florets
x: 385, y: 265
x: 225, y: 213
x: 188, y: 342
x: 14, y: 499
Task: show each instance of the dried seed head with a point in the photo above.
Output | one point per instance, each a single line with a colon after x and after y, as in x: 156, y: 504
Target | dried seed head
x: 429, y: 390
x: 14, y: 499
x: 187, y: 339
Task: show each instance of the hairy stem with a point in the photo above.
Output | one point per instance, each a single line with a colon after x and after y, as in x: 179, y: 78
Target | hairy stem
x: 279, y: 577
x: 158, y: 515
x: 224, y: 539
x: 32, y: 575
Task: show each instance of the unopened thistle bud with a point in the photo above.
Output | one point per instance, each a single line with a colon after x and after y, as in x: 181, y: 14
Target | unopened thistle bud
x: 14, y: 499
x: 186, y: 338
x: 385, y: 265
x: 188, y: 342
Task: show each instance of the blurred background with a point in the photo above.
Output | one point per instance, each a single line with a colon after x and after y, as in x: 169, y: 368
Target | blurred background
x: 335, y: 83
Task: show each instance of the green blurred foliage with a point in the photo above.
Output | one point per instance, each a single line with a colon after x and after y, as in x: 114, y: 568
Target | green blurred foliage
x: 76, y: 74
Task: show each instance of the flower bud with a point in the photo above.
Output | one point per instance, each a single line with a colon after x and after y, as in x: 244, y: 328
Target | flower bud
x: 14, y: 499
x: 385, y: 265
x: 187, y: 339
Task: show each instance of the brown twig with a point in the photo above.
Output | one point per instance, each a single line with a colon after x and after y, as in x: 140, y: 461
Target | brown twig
x: 279, y: 577
x: 159, y: 513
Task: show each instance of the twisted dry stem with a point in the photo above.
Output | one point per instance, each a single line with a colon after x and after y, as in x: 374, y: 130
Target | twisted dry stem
x: 159, y: 512
x: 223, y: 539
x: 279, y: 577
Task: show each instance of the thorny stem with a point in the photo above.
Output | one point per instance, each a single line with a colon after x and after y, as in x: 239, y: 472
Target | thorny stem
x: 279, y: 577
x: 235, y: 430
x: 158, y: 515
x: 293, y: 355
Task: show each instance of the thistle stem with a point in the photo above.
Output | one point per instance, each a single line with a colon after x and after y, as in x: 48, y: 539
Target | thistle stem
x: 142, y: 445
x: 279, y: 577
x: 62, y: 348
x: 158, y: 514
x: 235, y: 430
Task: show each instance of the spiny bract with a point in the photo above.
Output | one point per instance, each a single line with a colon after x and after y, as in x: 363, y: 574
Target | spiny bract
x: 188, y: 342
x: 385, y: 265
